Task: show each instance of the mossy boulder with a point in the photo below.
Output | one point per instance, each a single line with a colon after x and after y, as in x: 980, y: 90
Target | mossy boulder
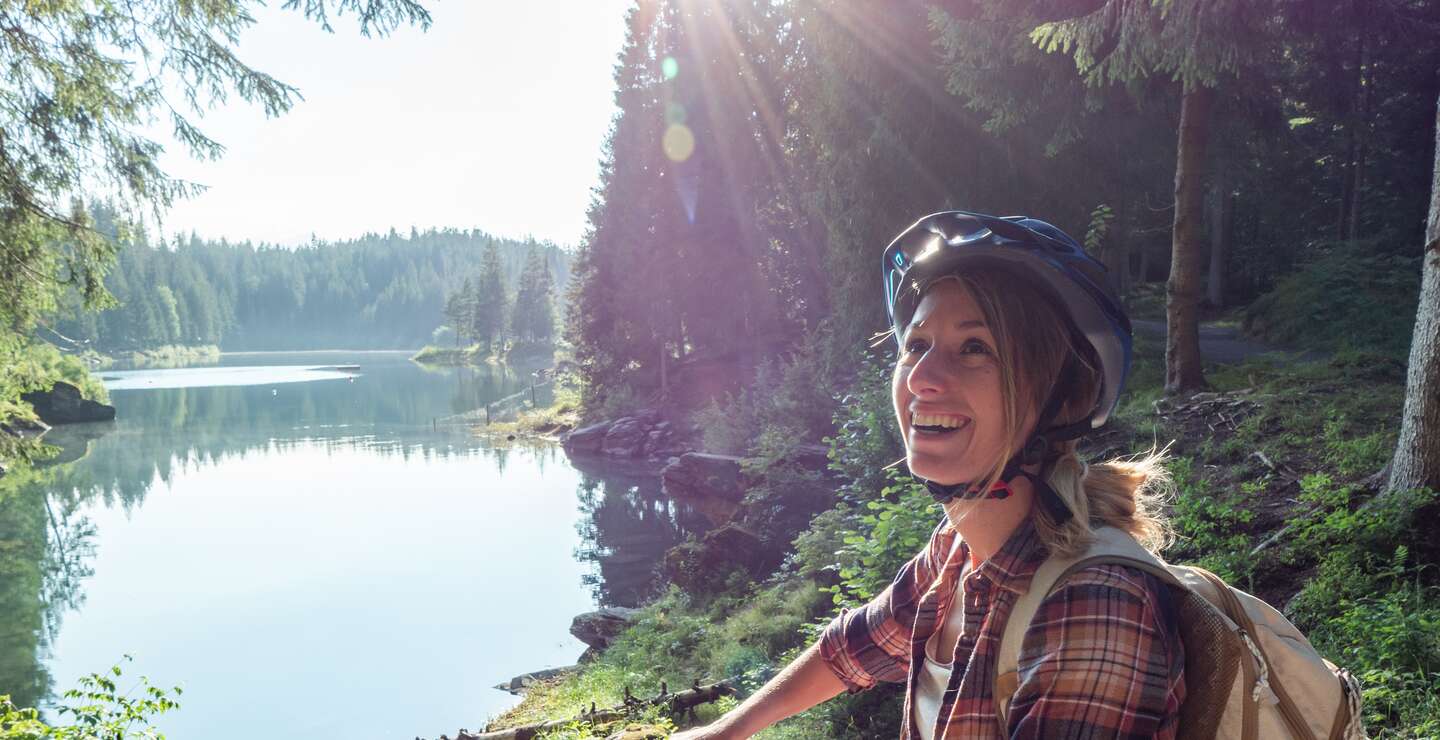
x: 63, y: 404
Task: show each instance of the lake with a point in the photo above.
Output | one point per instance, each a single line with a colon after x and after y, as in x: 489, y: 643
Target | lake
x: 310, y: 550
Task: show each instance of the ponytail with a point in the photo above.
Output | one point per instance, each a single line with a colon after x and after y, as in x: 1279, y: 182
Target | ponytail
x: 1123, y: 493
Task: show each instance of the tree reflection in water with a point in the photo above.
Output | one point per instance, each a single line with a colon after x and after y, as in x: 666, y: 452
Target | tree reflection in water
x: 629, y: 526
x: 45, y: 549
x: 47, y: 544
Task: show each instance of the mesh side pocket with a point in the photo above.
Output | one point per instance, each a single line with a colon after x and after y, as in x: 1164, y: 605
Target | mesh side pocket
x: 1212, y: 661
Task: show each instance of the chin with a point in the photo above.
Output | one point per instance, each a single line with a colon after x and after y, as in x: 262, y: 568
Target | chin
x: 945, y: 475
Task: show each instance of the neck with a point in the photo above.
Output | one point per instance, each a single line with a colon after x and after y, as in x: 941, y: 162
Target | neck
x: 985, y: 524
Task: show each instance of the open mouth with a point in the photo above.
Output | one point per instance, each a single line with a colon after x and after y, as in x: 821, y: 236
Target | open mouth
x: 937, y: 425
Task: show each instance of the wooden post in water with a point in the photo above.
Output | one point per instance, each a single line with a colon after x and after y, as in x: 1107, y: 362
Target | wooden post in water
x: 487, y: 414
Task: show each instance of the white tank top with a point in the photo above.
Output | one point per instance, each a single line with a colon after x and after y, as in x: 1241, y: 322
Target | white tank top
x: 935, y: 675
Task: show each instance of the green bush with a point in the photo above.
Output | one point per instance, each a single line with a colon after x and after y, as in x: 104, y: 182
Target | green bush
x: 728, y: 425
x: 1352, y: 295
x: 887, y: 533
x: 867, y: 439
x: 99, y: 710
x: 1210, y: 525
x: 26, y: 366
x: 1370, y: 606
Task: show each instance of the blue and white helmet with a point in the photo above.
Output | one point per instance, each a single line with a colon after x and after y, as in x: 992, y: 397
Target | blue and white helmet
x: 941, y: 242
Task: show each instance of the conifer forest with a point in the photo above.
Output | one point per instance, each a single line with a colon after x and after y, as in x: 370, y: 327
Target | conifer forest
x: 715, y: 383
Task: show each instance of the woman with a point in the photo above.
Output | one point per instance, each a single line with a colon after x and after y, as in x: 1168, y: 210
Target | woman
x: 1012, y: 347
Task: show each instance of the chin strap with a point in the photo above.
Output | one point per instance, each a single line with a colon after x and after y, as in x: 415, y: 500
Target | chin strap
x: 1035, y: 452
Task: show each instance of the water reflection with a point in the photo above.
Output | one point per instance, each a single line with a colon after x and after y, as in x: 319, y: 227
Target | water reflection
x: 173, y: 438
x: 628, y: 527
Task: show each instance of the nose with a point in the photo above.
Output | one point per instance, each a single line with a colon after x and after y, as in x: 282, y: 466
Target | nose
x: 928, y: 376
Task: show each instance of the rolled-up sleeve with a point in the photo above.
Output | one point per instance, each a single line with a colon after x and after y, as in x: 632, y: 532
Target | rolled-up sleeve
x: 869, y: 644
x: 859, y: 646
x: 1101, y: 659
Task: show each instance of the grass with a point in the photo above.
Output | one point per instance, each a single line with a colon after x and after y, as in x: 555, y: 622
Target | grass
x: 170, y: 355
x: 545, y: 423
x: 517, y: 353
x: 678, y: 640
x: 1353, y: 569
x: 432, y: 355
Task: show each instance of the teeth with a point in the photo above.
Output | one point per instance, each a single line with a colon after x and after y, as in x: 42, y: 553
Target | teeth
x: 937, y: 420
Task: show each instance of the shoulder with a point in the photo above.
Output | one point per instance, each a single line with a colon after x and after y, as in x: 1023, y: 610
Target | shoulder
x: 1101, y: 654
x: 1111, y: 580
x: 1110, y: 606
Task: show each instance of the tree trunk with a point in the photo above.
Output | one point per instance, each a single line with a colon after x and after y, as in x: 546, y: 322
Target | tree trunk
x: 1182, y: 291
x: 1219, y: 237
x: 1417, y: 454
x: 1120, y: 239
x: 1362, y: 150
x: 1356, y: 133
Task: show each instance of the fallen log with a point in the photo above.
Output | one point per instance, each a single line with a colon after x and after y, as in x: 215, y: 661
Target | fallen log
x: 677, y: 702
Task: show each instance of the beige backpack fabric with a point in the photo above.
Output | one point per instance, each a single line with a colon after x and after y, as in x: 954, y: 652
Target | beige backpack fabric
x: 1249, y: 673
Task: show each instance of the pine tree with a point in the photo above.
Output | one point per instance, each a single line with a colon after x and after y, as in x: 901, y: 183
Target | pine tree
x: 77, y: 104
x: 533, y: 319
x: 458, y: 311
x: 489, y: 300
x: 1201, y: 44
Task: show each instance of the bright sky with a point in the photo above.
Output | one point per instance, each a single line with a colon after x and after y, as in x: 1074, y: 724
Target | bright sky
x: 493, y: 119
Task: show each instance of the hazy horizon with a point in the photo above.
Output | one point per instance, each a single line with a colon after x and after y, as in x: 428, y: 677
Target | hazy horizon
x: 494, y: 120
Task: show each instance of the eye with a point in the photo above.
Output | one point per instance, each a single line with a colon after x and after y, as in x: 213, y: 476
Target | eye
x: 974, y: 346
x: 916, y: 346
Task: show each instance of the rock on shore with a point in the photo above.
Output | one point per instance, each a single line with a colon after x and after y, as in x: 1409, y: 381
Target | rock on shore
x: 600, y: 627
x: 642, y: 435
x: 519, y: 684
x: 713, y: 484
x: 63, y: 404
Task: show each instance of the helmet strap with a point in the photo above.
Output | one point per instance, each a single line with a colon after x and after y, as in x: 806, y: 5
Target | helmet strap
x: 1036, y: 451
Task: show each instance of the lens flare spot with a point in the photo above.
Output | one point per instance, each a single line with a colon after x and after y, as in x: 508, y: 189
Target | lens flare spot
x: 669, y: 67
x: 674, y: 113
x: 678, y: 142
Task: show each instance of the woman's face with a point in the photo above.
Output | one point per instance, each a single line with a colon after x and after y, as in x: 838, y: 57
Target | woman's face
x: 947, y: 389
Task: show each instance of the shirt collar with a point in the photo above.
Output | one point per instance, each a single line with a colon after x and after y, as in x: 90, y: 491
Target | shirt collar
x: 1014, y: 564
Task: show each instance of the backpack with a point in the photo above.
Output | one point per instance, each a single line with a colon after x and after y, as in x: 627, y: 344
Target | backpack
x: 1248, y: 672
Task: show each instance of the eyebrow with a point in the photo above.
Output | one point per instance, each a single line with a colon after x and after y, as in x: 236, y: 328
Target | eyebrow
x: 971, y: 324
x: 959, y: 326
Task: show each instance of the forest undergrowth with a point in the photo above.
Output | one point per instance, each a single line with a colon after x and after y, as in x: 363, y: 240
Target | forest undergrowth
x: 1271, y: 469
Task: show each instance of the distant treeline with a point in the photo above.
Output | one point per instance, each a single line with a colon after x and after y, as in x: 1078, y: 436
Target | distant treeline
x: 377, y: 291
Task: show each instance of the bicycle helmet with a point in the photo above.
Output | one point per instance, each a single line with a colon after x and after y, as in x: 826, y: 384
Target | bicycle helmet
x: 942, y: 243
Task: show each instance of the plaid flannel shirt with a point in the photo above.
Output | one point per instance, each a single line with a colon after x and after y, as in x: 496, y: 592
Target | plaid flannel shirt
x: 1102, y: 659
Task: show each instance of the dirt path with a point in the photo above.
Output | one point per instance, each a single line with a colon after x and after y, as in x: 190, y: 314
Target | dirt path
x: 1222, y: 343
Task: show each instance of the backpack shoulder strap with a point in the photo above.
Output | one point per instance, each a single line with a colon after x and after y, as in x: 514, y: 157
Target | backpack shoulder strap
x: 1110, y: 546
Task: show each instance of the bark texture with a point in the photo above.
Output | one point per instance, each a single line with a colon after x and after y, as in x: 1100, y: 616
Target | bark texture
x: 1187, y: 254
x: 1417, y: 454
x: 1219, y: 237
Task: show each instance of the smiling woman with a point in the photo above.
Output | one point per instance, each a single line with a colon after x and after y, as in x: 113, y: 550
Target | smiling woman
x: 1012, y: 347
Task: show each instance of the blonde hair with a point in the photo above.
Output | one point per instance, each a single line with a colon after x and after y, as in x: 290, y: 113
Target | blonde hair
x: 1038, y: 350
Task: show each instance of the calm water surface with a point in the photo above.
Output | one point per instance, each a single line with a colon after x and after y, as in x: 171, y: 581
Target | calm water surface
x: 308, y: 553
